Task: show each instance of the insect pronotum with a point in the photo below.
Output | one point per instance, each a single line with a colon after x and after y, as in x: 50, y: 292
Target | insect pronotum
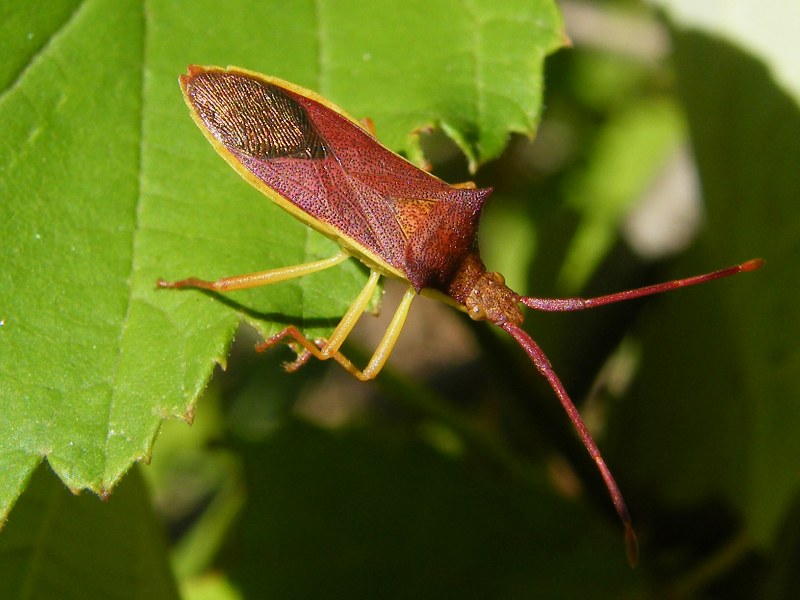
x: 328, y: 170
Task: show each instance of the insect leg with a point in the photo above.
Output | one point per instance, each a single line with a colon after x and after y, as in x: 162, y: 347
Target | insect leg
x: 325, y: 349
x: 249, y: 280
x: 386, y: 346
x: 351, y: 317
x: 324, y: 352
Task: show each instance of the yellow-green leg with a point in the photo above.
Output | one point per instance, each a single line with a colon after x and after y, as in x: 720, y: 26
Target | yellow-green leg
x: 250, y: 280
x: 322, y: 349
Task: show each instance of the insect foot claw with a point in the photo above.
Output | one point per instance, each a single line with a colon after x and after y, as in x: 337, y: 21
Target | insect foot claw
x: 302, y: 358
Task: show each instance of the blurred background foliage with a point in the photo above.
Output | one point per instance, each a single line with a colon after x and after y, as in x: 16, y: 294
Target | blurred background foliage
x: 665, y: 149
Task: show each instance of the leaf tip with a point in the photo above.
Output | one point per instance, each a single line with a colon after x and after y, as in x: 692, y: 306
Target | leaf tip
x: 188, y: 415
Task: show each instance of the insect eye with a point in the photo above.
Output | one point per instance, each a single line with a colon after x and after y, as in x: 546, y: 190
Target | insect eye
x: 477, y: 313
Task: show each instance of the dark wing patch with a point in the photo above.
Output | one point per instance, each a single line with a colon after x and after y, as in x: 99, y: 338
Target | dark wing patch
x: 254, y: 117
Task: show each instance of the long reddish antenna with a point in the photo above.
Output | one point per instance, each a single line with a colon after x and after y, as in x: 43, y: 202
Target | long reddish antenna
x: 545, y: 368
x: 568, y: 304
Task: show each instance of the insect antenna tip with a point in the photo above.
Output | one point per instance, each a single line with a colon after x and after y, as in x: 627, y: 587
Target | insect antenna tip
x: 631, y: 546
x: 752, y: 264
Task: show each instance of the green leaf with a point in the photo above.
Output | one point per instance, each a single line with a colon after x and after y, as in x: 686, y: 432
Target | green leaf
x: 765, y: 31
x: 720, y: 366
x: 352, y: 514
x: 106, y: 185
x: 115, y: 549
x: 630, y: 151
